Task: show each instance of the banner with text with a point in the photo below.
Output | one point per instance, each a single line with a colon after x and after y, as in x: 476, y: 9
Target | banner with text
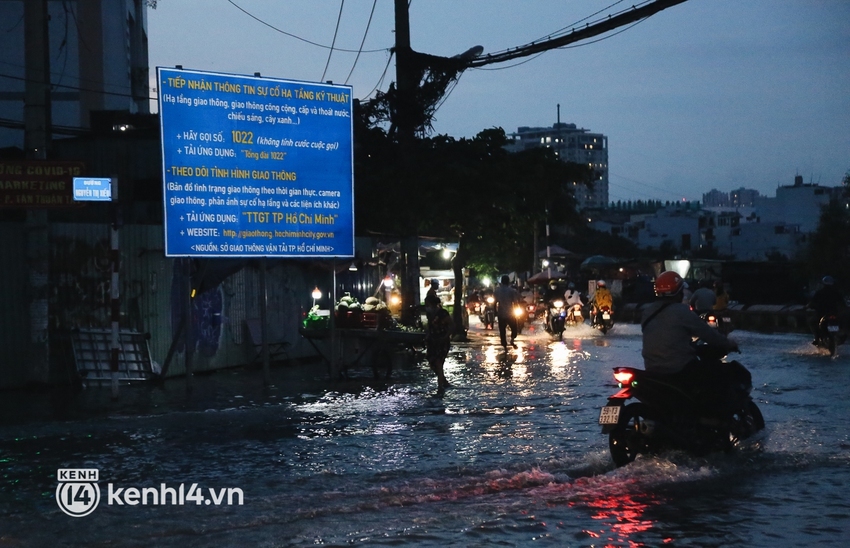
x: 255, y: 167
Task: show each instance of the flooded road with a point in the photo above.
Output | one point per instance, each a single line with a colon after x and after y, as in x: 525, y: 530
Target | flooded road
x: 510, y: 456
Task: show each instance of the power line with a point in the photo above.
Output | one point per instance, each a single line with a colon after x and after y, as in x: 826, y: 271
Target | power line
x: 77, y: 88
x: 368, y: 24
x: 252, y: 16
x: 333, y: 43
x: 678, y: 195
x: 381, y: 79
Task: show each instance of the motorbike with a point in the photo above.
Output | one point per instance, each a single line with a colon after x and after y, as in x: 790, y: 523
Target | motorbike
x: 668, y: 415
x: 575, y: 316
x: 488, y: 313
x: 521, y: 316
x: 556, y: 317
x: 718, y: 321
x: 830, y: 334
x: 602, y: 318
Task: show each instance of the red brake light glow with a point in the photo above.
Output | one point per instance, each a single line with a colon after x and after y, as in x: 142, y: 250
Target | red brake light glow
x: 623, y: 377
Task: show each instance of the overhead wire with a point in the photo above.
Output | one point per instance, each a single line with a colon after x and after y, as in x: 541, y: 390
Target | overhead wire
x: 254, y: 17
x: 368, y: 24
x: 381, y: 79
x: 333, y: 43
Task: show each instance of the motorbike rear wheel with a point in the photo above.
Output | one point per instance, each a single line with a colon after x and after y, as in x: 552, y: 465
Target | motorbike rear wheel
x: 830, y: 344
x: 745, y: 423
x: 628, y: 439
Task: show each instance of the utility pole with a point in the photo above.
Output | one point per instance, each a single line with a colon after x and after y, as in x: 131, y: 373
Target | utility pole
x: 407, y: 84
x: 36, y: 144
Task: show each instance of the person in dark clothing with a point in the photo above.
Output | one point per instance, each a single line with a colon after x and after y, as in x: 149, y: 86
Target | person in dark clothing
x: 827, y: 301
x: 437, y: 339
x: 506, y: 298
x: 669, y: 327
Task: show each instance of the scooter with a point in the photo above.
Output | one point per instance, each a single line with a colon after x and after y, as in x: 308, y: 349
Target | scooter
x: 669, y: 415
x: 830, y: 334
x: 555, y: 319
x: 488, y: 314
x: 717, y: 321
x: 602, y: 319
x: 521, y: 317
x: 575, y: 316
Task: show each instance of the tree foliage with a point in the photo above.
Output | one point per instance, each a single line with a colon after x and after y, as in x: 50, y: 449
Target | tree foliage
x: 472, y: 191
x: 828, y: 251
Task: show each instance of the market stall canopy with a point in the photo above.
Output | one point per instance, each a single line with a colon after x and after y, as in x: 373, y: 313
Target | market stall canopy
x: 556, y: 251
x: 545, y: 276
x: 598, y: 261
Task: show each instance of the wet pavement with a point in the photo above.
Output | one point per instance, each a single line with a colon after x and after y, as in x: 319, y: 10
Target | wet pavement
x: 510, y: 456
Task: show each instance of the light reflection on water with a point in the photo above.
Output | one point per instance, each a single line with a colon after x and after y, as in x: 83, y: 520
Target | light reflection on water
x: 511, y: 454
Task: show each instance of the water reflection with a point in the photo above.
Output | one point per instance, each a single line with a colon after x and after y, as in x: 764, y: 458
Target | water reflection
x: 622, y: 518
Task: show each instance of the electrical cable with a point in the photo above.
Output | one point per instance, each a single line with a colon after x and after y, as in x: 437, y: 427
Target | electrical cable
x: 252, y: 16
x: 333, y: 43
x: 381, y: 79
x: 77, y: 88
x: 368, y: 24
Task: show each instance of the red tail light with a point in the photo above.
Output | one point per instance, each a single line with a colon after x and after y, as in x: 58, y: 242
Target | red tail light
x: 623, y: 376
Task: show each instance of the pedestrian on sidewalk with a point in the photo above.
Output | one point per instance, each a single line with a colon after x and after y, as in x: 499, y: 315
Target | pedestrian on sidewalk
x: 440, y: 327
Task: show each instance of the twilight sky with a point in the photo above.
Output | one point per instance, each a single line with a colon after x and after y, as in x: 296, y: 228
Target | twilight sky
x: 706, y: 94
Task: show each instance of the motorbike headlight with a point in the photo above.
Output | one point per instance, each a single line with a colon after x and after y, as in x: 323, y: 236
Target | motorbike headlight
x: 558, y: 304
x: 490, y: 300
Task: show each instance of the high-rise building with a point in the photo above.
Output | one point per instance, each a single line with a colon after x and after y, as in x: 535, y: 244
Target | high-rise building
x: 571, y: 144
x: 96, y: 53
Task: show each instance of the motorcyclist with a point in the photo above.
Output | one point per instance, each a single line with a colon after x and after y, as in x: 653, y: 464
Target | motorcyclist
x: 601, y: 298
x: 721, y: 297
x: 572, y: 298
x: 703, y: 299
x: 669, y: 327
x: 827, y: 301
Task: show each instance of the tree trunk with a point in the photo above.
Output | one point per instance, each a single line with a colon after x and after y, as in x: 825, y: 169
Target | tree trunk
x: 458, y: 264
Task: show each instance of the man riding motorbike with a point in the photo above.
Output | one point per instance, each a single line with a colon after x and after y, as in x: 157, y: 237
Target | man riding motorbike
x: 827, y: 301
x: 601, y: 299
x: 703, y: 299
x: 669, y: 327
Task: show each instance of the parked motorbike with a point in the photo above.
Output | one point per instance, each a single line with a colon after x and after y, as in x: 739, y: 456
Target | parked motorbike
x: 718, y: 321
x: 488, y: 314
x: 575, y: 316
x: 830, y: 334
x: 669, y: 415
x: 555, y: 318
x: 602, y: 318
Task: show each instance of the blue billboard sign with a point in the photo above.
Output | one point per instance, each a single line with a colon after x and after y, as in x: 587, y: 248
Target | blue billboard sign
x: 89, y: 189
x: 255, y: 167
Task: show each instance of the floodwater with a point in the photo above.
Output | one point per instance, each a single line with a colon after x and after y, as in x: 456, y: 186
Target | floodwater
x: 510, y: 456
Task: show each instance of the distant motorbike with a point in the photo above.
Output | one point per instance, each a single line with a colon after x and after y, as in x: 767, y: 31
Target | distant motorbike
x: 602, y: 318
x: 670, y: 416
x: 575, y: 316
x: 555, y: 318
x: 830, y: 334
x: 521, y: 316
x: 488, y: 314
x: 718, y: 321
